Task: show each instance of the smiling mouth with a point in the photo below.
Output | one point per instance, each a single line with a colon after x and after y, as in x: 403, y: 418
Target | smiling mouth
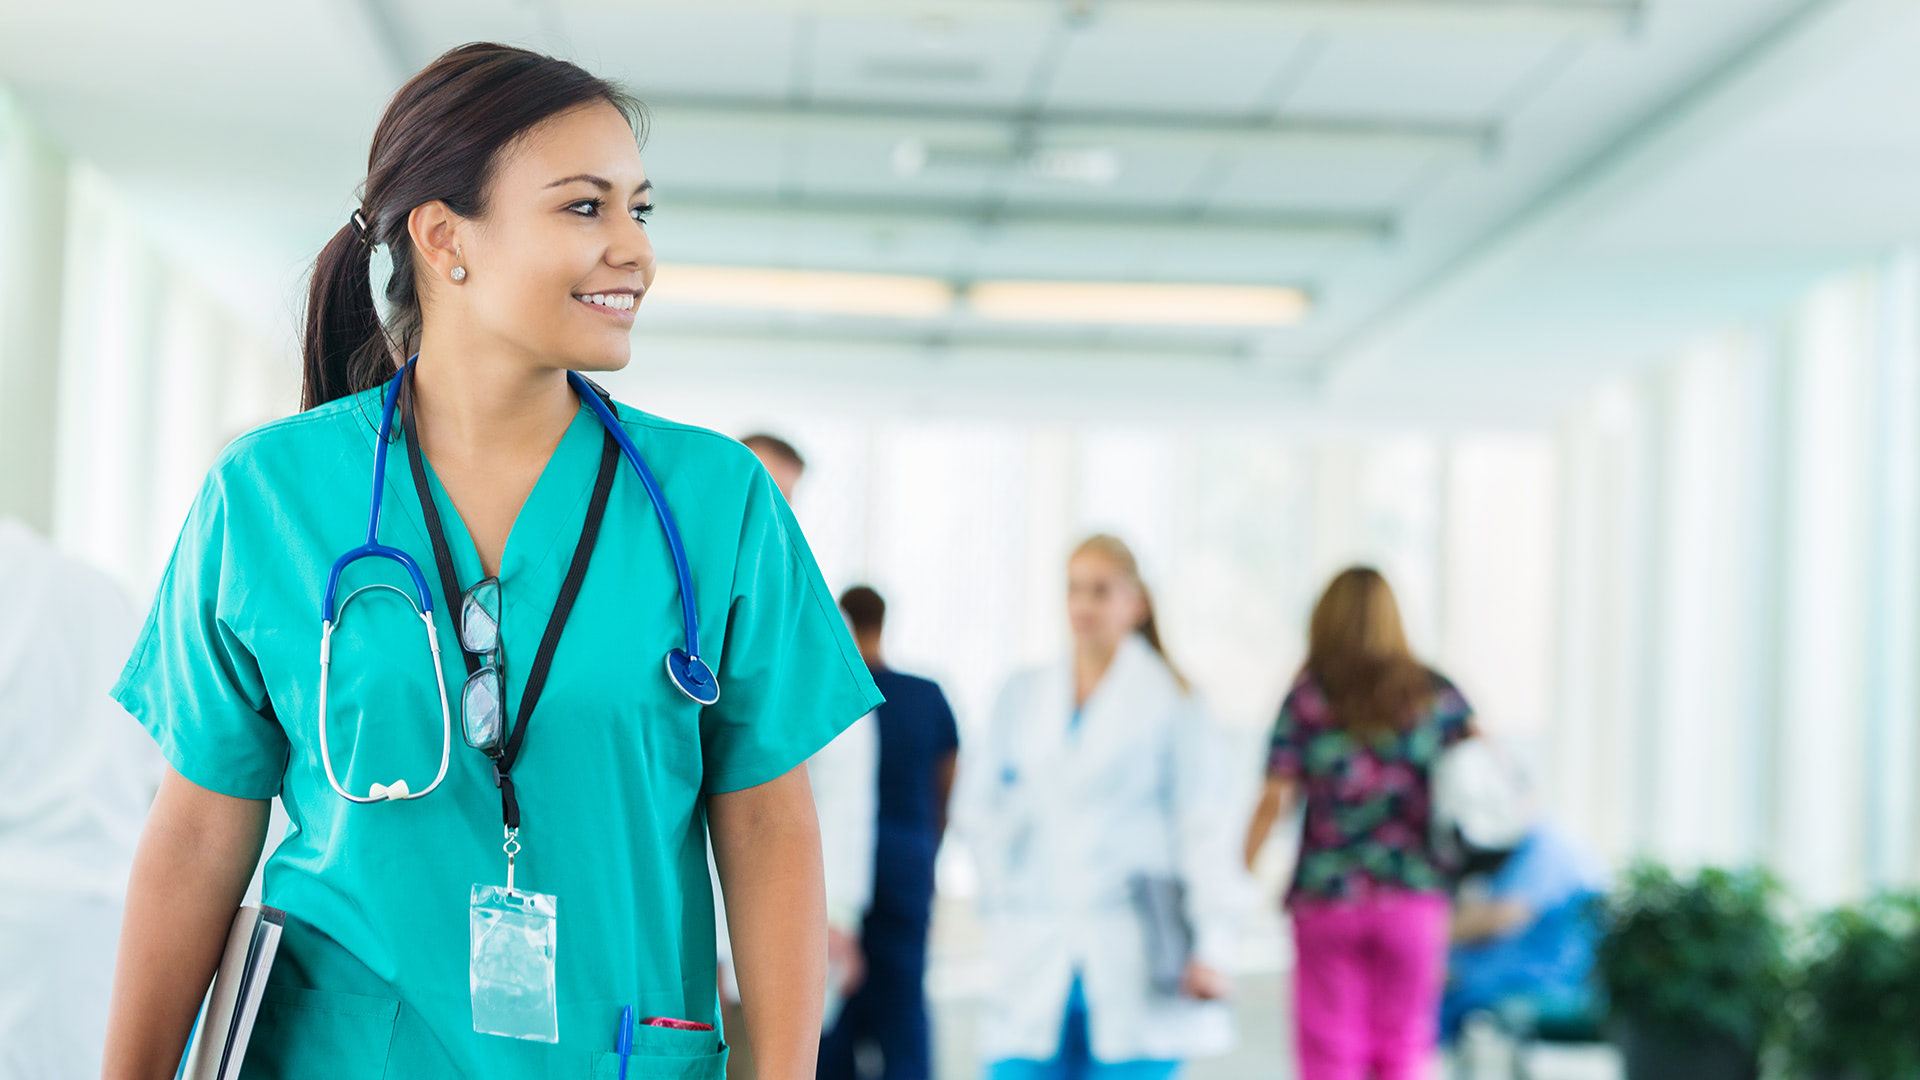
x: 610, y: 301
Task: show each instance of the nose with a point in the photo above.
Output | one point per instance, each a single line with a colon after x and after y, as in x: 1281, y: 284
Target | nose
x: 632, y: 250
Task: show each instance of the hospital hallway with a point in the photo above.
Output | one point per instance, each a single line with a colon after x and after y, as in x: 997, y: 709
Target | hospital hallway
x: 1416, y: 498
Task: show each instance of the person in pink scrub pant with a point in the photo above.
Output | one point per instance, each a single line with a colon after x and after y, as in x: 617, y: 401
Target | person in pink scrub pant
x: 1358, y: 737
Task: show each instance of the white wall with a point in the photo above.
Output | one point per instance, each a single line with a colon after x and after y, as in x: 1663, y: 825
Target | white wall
x: 120, y: 380
x: 1738, y: 597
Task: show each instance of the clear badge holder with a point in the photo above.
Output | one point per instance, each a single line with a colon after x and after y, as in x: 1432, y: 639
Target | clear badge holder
x: 514, y: 942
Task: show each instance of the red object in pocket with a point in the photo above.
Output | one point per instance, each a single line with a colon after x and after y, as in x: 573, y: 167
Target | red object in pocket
x: 677, y: 1025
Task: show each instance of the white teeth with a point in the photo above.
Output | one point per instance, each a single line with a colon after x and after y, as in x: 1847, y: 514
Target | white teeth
x: 616, y: 301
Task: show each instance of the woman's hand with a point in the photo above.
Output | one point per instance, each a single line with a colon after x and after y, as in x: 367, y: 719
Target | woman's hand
x: 1203, y: 983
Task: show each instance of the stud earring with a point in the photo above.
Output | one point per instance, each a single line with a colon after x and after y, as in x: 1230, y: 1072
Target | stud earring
x: 459, y: 273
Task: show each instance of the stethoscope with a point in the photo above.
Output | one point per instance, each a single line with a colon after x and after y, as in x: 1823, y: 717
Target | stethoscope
x: 684, y: 667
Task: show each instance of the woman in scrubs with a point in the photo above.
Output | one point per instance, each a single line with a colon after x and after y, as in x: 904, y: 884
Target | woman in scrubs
x: 507, y: 189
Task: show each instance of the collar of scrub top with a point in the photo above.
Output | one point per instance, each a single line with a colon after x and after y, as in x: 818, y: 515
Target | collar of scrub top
x: 685, y: 669
x: 420, y: 599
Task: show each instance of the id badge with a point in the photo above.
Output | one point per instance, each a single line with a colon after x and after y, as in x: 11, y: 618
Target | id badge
x: 514, y: 938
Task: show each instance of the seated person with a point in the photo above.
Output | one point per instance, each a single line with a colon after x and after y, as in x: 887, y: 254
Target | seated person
x: 1524, y: 925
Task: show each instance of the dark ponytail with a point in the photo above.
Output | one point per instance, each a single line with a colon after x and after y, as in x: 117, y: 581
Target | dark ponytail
x: 346, y: 351
x: 439, y: 140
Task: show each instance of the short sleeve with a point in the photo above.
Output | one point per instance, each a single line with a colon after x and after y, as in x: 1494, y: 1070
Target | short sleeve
x: 790, y: 676
x: 946, y: 731
x: 1284, y: 745
x: 1451, y: 712
x: 191, y: 682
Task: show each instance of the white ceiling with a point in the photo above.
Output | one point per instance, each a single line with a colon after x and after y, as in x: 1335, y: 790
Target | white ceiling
x: 1466, y: 187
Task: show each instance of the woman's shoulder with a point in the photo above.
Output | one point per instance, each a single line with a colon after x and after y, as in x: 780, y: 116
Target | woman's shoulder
x: 713, y: 455
x: 1027, y: 684
x: 1444, y: 691
x: 305, y: 445
x: 1306, y: 700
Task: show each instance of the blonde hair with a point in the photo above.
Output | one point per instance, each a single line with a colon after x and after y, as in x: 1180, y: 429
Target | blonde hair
x: 1115, y: 550
x: 1357, y: 652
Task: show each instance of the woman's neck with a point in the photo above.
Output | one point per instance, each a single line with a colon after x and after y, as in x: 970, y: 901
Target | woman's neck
x: 1091, y: 659
x: 474, y: 404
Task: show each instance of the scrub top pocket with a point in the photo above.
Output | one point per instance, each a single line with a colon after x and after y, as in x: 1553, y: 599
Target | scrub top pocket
x: 652, y: 1066
x: 667, y: 1054
x: 320, y: 1035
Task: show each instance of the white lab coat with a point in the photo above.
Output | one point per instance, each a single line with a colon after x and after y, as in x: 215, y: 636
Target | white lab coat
x: 1060, y: 821
x: 77, y: 775
x: 845, y: 778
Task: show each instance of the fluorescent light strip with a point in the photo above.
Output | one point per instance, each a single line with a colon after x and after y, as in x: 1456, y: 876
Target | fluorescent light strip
x: 901, y: 296
x: 1138, y: 304
x: 820, y: 292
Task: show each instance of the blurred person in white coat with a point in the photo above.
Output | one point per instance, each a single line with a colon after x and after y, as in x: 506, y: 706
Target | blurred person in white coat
x: 76, y: 777
x: 1099, y: 776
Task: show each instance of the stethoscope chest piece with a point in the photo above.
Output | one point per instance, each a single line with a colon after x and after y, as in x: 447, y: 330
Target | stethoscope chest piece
x: 693, y: 677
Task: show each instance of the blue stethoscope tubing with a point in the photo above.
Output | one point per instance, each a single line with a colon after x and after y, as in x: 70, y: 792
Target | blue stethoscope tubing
x: 684, y: 667
x: 421, y: 601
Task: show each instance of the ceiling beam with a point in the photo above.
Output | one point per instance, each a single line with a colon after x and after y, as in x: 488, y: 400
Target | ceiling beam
x: 1803, y: 44
x: 1604, y: 17
x: 1138, y: 222
x: 1192, y: 131
x: 1533, y: 16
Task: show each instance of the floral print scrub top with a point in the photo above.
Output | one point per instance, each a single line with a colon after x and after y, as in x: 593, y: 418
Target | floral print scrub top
x: 1369, y: 800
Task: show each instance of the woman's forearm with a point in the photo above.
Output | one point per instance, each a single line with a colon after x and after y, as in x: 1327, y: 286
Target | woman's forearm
x: 1276, y: 801
x: 766, y: 845
x: 197, y: 853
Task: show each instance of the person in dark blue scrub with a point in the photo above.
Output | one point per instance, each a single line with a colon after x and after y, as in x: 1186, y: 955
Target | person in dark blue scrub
x: 919, y: 745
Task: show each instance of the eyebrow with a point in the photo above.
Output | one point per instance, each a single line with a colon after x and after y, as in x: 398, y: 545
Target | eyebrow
x: 600, y: 182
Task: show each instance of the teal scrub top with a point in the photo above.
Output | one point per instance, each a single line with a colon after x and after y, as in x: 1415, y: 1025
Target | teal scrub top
x: 372, y: 975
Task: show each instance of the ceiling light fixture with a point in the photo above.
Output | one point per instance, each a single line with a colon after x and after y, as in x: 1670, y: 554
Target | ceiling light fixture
x: 1097, y: 166
x: 1138, y: 303
x: 821, y: 292
x: 906, y: 296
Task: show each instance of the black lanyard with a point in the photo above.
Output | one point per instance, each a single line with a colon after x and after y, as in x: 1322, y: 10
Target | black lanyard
x: 556, y: 622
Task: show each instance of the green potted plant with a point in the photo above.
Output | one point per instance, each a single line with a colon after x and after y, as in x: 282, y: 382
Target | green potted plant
x: 1695, y: 972
x: 1857, y: 1007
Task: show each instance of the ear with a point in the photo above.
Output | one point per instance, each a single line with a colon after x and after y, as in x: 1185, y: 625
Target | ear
x: 435, y: 230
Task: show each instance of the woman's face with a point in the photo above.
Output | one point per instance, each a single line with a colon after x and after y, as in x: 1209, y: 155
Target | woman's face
x: 1103, y: 603
x: 562, y: 225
